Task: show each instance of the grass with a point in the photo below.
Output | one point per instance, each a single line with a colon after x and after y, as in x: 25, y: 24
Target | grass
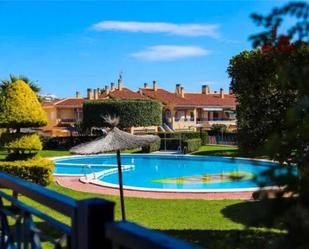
x: 213, y: 150
x: 209, y: 223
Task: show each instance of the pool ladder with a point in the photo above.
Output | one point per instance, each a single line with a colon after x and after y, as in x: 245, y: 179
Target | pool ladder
x: 84, y: 172
x: 182, y: 151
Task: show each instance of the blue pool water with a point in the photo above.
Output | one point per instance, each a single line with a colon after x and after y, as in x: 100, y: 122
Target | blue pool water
x: 157, y: 172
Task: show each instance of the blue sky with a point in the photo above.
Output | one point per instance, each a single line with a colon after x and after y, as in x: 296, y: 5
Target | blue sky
x: 71, y: 45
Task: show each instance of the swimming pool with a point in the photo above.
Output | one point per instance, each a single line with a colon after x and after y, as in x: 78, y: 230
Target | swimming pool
x: 168, y: 172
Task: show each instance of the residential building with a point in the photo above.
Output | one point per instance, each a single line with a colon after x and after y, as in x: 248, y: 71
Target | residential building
x: 181, y: 110
x: 188, y: 111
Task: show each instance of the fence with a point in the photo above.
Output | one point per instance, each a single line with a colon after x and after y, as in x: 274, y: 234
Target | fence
x: 226, y: 139
x: 91, y: 225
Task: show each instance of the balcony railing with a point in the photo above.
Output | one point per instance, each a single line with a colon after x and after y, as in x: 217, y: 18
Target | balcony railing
x: 215, y: 119
x: 91, y: 225
x: 184, y: 119
x: 67, y: 120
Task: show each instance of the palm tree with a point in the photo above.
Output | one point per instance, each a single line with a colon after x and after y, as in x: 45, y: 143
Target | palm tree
x: 5, y: 83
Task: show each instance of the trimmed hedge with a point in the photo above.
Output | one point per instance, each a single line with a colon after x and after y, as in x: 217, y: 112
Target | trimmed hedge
x: 64, y: 143
x: 185, y: 135
x: 131, y: 112
x: 20, y: 142
x: 38, y: 170
x: 192, y: 144
x: 152, y: 147
x: 173, y: 144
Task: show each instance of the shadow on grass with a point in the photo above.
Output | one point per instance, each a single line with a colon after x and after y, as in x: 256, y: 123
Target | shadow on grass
x: 228, y: 239
x: 253, y: 214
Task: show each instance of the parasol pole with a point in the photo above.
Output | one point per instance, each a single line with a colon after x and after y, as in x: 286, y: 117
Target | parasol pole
x: 123, y: 214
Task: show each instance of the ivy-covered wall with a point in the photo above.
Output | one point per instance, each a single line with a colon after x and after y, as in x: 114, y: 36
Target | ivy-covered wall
x: 131, y: 112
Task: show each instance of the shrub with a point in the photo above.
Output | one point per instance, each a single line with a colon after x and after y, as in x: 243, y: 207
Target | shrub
x: 219, y: 128
x: 131, y: 112
x: 21, y: 142
x: 204, y: 137
x: 152, y: 147
x: 38, y: 170
x: 185, y: 135
x: 20, y: 107
x: 64, y: 143
x: 192, y: 144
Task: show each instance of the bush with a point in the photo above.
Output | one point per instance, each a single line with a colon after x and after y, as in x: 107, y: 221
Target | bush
x: 152, y: 147
x: 204, y: 137
x: 185, y: 135
x: 192, y: 144
x: 38, y: 170
x: 21, y: 142
x: 20, y: 107
x: 218, y: 128
x: 64, y: 143
x: 131, y: 112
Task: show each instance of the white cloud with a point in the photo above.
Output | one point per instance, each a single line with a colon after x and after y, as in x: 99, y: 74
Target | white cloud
x: 160, y: 27
x: 169, y: 52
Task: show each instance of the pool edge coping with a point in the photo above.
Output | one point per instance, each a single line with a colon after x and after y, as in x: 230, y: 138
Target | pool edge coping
x: 139, y: 189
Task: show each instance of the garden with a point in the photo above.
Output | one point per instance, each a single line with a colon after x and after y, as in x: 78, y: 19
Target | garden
x: 271, y: 86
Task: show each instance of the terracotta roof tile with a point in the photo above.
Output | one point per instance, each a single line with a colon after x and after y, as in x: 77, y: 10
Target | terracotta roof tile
x: 167, y: 97
x: 212, y: 99
x: 125, y: 93
x: 65, y: 102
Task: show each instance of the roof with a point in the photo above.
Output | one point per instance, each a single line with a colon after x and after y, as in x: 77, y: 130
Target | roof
x: 67, y: 102
x: 166, y: 97
x: 212, y: 99
x: 125, y: 93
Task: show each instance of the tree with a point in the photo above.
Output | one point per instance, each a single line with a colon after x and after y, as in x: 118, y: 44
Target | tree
x: 20, y: 108
x: 281, y: 68
x: 5, y: 83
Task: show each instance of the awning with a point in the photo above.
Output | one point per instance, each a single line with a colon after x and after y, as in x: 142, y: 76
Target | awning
x: 216, y: 109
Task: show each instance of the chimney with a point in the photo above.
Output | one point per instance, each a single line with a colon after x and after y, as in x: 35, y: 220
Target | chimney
x: 77, y: 95
x: 95, y: 94
x: 182, y: 92
x: 155, y: 86
x: 178, y: 89
x: 120, y: 85
x: 230, y: 90
x: 89, y: 93
x: 145, y: 85
x: 205, y: 89
x: 221, y: 93
x: 112, y: 86
x: 106, y: 90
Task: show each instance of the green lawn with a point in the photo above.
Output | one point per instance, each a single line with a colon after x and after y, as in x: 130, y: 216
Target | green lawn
x: 213, y: 150
x: 209, y: 223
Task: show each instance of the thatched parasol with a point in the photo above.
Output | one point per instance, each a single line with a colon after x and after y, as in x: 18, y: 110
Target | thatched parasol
x: 114, y: 140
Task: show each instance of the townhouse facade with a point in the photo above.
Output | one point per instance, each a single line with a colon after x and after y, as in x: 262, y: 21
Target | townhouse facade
x: 181, y: 110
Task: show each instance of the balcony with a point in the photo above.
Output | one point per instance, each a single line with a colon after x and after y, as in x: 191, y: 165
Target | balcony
x: 67, y: 120
x: 209, y: 122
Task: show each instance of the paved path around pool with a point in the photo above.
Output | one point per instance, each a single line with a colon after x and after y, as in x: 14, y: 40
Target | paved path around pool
x: 73, y: 182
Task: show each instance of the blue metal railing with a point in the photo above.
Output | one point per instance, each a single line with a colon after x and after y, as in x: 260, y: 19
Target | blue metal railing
x: 91, y: 223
